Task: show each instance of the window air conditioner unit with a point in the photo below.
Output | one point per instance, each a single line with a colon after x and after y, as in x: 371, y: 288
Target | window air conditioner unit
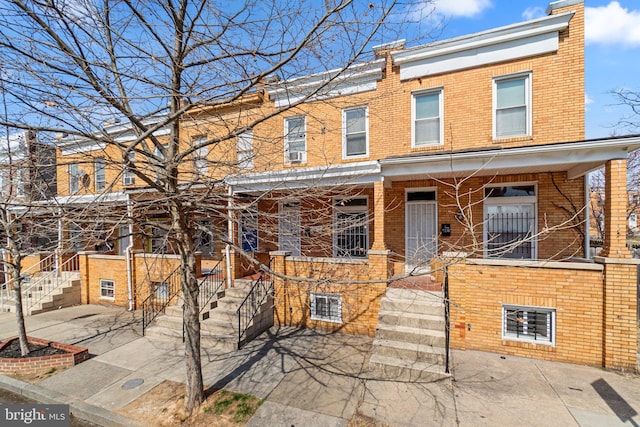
x: 295, y: 156
x: 128, y: 180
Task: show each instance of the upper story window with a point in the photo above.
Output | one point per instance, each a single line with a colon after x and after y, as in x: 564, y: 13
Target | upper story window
x: 427, y: 111
x: 128, y: 177
x: 245, y: 150
x: 295, y: 145
x: 355, y: 136
x: 100, y: 178
x: 201, y: 164
x: 74, y: 178
x: 512, y: 106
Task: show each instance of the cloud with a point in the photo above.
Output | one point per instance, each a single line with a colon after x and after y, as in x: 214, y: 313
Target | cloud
x: 612, y: 25
x: 461, y: 8
x: 533, y: 13
x: 587, y: 101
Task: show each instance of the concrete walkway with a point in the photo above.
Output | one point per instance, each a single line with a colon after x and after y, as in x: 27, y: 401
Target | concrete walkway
x: 313, y: 379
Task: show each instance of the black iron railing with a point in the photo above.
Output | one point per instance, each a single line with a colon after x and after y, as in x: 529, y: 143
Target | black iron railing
x: 260, y: 291
x: 160, y: 296
x: 510, y: 235
x: 210, y: 285
x: 447, y: 316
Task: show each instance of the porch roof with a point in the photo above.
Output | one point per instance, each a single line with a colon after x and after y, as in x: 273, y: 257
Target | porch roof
x: 85, y: 199
x: 575, y: 158
x: 341, y: 174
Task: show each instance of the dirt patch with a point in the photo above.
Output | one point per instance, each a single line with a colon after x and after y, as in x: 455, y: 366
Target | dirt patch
x: 360, y: 420
x: 12, y: 350
x: 37, y: 376
x: 161, y: 406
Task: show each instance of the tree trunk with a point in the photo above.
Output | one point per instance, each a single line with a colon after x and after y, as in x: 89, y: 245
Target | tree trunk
x: 22, y: 331
x: 194, y: 395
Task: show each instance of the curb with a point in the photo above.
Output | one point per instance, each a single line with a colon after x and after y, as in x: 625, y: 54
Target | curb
x: 78, y: 408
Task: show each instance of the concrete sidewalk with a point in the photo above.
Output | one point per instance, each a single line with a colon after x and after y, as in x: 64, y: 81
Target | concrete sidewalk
x: 313, y: 379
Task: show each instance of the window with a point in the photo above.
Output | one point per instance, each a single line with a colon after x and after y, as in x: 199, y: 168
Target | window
x: 528, y: 324
x: 20, y: 182
x: 200, y: 162
x: 158, y: 237
x: 100, y: 179
x: 160, y: 290
x: 354, y: 138
x: 427, y: 118
x: 249, y: 230
x: 350, y: 228
x: 128, y: 177
x: 295, y: 139
x: 204, y: 237
x: 510, y: 221
x: 123, y: 239
x: 107, y: 289
x: 3, y: 182
x: 327, y: 307
x: 245, y: 150
x: 512, y: 107
x: 74, y: 178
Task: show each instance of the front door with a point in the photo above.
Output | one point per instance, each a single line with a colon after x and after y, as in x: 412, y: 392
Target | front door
x: 289, y: 228
x: 421, y: 242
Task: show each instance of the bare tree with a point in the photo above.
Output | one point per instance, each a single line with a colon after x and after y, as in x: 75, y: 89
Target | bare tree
x: 76, y: 67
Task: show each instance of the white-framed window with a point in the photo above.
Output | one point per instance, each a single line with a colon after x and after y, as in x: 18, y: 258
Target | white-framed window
x: 510, y: 221
x: 160, y: 290
x: 295, y: 139
x: 100, y: 177
x: 355, y: 135
x: 20, y: 182
x: 107, y: 289
x: 512, y: 106
x: 248, y: 230
x: 4, y: 184
x: 535, y: 324
x: 427, y: 118
x: 200, y: 163
x: 158, y: 241
x: 245, y: 150
x: 351, y: 228
x: 326, y: 307
x: 74, y: 178
x: 128, y: 177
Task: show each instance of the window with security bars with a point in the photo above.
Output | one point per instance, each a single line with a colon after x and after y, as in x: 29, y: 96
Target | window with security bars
x: 528, y: 324
x: 326, y: 307
x: 351, y: 230
x: 107, y: 289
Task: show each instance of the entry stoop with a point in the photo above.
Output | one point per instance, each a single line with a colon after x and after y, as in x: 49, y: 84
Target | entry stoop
x: 410, y: 337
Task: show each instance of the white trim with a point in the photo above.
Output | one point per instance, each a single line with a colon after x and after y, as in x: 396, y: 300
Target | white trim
x: 528, y: 102
x: 113, y: 197
x: 535, y: 37
x: 355, y: 79
x: 440, y: 92
x: 345, y: 156
x: 506, y: 336
x: 560, y: 4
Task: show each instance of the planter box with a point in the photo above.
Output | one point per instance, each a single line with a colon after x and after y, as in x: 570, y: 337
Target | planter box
x: 25, y: 365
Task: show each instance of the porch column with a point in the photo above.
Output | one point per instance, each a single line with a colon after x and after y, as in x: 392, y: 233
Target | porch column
x: 283, y: 310
x: 615, y: 210
x: 620, y: 274
x: 379, y: 205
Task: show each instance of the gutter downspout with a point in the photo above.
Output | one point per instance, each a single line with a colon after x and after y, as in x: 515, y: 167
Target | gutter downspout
x: 587, y: 218
x: 127, y: 253
x: 227, y: 249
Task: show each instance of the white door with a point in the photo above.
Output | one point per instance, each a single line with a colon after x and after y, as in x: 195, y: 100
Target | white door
x: 289, y: 228
x: 421, y: 242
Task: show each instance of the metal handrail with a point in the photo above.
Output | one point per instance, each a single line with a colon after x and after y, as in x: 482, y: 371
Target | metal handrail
x: 45, y: 262
x: 210, y: 285
x: 157, y: 301
x: 447, y: 315
x: 47, y: 283
x: 251, y: 304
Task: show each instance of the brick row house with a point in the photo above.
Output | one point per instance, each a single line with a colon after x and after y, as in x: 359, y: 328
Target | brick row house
x: 461, y: 162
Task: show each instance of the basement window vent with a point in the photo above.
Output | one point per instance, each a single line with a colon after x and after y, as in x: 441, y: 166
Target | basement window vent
x: 531, y: 324
x: 326, y: 307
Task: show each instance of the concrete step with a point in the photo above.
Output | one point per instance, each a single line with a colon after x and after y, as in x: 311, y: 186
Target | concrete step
x: 240, y: 293
x: 228, y: 341
x: 409, y: 352
x: 414, y: 294
x: 413, y: 320
x: 411, y: 335
x: 412, y: 306
x: 391, y: 368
